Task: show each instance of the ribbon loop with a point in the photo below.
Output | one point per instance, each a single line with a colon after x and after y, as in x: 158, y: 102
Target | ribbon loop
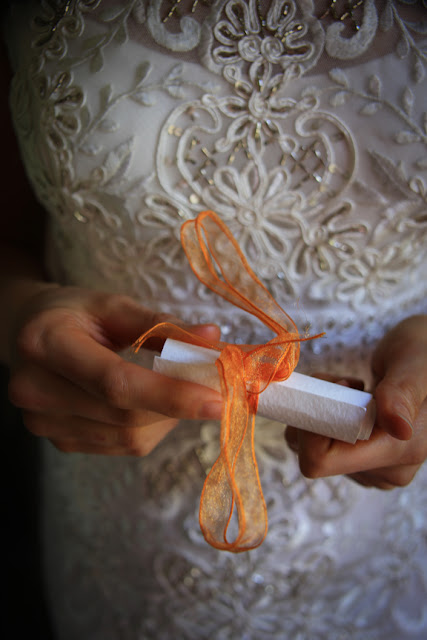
x: 233, y: 486
x: 218, y: 262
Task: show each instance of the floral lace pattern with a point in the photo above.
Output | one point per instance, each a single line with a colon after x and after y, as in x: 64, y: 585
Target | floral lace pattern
x: 314, y: 576
x: 283, y: 118
x: 256, y: 138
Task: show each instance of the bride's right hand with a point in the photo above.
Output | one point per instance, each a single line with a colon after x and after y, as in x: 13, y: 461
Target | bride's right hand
x: 74, y: 388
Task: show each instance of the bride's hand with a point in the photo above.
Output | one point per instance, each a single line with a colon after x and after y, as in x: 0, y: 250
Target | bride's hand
x: 398, y: 445
x: 75, y: 390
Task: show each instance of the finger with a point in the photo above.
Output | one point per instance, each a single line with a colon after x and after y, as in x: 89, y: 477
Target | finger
x: 291, y: 433
x: 370, y: 482
x: 400, y: 363
x: 347, y: 381
x: 209, y: 332
x: 83, y: 435
x: 321, y: 457
x: 36, y: 389
x: 78, y: 447
x: 124, y: 320
x: 91, y: 449
x: 291, y: 437
x: 76, y: 356
x: 387, y: 478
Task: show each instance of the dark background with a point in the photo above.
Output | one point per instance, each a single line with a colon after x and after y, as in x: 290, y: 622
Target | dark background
x: 24, y: 614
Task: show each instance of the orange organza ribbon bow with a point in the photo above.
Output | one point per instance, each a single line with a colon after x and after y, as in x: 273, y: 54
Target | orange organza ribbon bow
x: 233, y: 485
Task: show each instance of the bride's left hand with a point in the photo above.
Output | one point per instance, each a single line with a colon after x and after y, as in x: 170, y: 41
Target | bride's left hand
x: 398, y: 445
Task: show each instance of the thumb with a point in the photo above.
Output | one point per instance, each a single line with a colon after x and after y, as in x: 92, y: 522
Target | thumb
x: 402, y: 390
x: 209, y: 331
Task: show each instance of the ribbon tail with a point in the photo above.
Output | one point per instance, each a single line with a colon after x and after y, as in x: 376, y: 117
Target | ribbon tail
x: 232, y: 489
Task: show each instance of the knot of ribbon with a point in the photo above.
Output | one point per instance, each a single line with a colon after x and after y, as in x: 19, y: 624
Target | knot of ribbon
x: 233, y: 487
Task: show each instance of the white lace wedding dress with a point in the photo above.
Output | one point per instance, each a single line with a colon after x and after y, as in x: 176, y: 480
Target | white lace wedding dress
x: 303, y: 126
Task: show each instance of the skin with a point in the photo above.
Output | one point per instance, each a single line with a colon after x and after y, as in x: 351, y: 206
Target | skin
x: 398, y: 445
x: 75, y: 390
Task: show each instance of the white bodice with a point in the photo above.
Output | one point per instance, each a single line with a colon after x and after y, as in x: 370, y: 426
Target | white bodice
x: 130, y: 125
x: 307, y: 134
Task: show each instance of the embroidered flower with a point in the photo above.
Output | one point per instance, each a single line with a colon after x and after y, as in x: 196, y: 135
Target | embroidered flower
x: 257, y: 205
x: 57, y: 190
x: 56, y: 22
x: 276, y: 35
x: 59, y: 109
x: 326, y: 240
x: 374, y: 275
x: 258, y: 108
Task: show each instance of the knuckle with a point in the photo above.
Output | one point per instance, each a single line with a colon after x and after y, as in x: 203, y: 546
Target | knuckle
x: 129, y: 418
x: 23, y: 394
x: 314, y: 461
x: 128, y: 439
x: 134, y: 444
x: 121, y: 301
x: 172, y: 407
x: 164, y: 317
x: 39, y: 335
x: 415, y: 458
x: 151, y: 318
x: 141, y: 451
x: 114, y: 386
x: 112, y: 303
x: 17, y: 391
x: 403, y: 478
x: 29, y: 341
x: 43, y: 332
x: 398, y: 396
x: 399, y: 483
x: 177, y: 403
x: 410, y: 395
x: 310, y: 467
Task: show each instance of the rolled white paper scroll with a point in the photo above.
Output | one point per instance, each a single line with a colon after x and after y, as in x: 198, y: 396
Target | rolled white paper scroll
x: 301, y: 401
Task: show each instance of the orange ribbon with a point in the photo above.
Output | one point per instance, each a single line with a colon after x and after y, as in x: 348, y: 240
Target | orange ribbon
x: 232, y: 486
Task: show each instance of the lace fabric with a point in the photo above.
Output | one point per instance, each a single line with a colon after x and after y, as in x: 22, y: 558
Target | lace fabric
x: 332, y: 224
x: 306, y: 132
x: 336, y: 562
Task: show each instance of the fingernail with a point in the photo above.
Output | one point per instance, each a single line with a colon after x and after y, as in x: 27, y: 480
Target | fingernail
x: 211, y: 411
x: 206, y: 325
x: 353, y: 383
x: 399, y: 415
x: 343, y: 383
